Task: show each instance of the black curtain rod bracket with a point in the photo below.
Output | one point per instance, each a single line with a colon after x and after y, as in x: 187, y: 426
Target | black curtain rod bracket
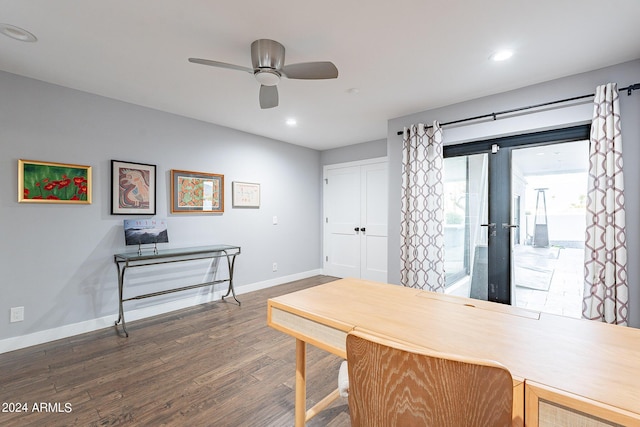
x: 629, y: 90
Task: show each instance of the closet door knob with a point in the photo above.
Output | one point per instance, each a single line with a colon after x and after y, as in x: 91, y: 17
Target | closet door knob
x: 363, y: 229
x: 357, y: 229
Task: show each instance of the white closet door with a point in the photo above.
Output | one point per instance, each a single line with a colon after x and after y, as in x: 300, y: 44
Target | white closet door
x: 342, y: 217
x: 355, y: 237
x: 373, y: 219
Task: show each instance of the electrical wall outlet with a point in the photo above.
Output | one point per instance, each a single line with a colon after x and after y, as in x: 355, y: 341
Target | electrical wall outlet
x: 17, y: 314
x: 275, y: 266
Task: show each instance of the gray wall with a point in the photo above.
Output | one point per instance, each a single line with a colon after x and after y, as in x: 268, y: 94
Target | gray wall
x: 582, y: 84
x: 355, y: 152
x: 57, y: 260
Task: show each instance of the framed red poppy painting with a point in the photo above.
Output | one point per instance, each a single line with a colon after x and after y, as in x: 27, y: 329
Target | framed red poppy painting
x: 49, y: 182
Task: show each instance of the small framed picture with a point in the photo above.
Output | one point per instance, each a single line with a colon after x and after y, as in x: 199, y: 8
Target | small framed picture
x: 145, y: 231
x: 133, y: 188
x: 49, y: 182
x: 245, y: 195
x: 196, y: 192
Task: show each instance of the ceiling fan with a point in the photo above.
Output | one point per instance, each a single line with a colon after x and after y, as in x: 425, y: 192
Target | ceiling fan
x: 267, y: 58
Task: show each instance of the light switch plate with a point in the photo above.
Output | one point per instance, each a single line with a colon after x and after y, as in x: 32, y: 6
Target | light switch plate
x: 17, y: 314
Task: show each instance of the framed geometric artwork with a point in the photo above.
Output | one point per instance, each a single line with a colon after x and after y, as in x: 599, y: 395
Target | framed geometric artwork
x: 49, y: 182
x: 133, y: 188
x: 196, y: 192
x: 245, y: 194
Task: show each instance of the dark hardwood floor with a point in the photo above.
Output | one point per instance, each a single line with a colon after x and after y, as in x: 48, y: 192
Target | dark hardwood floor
x: 215, y: 364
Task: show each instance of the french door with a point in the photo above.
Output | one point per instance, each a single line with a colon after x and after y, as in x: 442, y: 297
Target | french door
x: 484, y: 217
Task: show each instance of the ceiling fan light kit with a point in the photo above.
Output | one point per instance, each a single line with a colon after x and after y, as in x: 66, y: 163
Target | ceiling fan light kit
x: 267, y: 77
x: 267, y: 59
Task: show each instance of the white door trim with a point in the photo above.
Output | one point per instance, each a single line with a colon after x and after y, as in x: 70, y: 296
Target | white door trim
x: 354, y: 163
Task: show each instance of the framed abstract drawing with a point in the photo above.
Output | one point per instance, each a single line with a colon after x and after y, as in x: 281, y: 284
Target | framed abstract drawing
x: 133, y: 188
x: 49, y: 182
x: 196, y: 192
x: 245, y: 194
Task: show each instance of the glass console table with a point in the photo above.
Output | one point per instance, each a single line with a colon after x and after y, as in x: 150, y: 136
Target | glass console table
x: 128, y: 260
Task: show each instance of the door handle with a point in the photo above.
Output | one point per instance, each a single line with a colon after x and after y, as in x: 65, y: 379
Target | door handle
x: 357, y: 229
x: 505, y: 225
x: 363, y: 229
x: 492, y: 228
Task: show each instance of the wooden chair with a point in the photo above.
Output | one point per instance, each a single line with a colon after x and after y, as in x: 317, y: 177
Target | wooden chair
x: 391, y: 384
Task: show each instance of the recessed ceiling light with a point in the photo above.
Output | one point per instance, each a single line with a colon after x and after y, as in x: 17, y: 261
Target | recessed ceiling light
x: 501, y: 55
x: 291, y: 122
x: 17, y: 33
x: 353, y: 91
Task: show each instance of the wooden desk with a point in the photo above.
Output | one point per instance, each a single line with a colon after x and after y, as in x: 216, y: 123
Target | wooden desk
x: 565, y: 369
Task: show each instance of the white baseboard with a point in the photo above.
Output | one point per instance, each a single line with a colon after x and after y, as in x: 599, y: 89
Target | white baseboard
x: 16, y: 343
x: 277, y: 281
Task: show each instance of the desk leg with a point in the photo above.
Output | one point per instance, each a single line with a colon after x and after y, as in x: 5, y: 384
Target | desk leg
x: 301, y: 383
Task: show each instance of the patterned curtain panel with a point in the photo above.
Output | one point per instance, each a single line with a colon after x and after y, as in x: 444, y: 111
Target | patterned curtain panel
x: 605, y: 287
x: 423, y: 209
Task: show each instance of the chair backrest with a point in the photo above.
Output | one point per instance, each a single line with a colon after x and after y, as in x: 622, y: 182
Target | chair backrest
x: 392, y: 384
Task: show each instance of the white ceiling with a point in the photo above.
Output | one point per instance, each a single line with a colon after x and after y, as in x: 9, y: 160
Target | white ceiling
x: 404, y: 56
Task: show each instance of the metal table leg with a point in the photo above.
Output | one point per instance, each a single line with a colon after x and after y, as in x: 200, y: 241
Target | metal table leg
x: 120, y: 290
x: 231, y: 264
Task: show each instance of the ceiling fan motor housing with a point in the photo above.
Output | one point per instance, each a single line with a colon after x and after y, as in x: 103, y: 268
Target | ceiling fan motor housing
x: 267, y: 58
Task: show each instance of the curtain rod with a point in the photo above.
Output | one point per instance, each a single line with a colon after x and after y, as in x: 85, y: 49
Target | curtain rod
x: 629, y: 89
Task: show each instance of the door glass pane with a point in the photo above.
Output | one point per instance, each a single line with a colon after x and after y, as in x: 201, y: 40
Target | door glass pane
x: 465, y: 239
x: 549, y: 190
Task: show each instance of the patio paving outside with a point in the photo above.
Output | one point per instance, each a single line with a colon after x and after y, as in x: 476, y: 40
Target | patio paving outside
x: 564, y: 296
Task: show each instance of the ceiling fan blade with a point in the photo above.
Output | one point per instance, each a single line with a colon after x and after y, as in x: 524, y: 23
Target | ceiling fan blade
x: 268, y: 96
x: 220, y: 64
x: 311, y: 70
